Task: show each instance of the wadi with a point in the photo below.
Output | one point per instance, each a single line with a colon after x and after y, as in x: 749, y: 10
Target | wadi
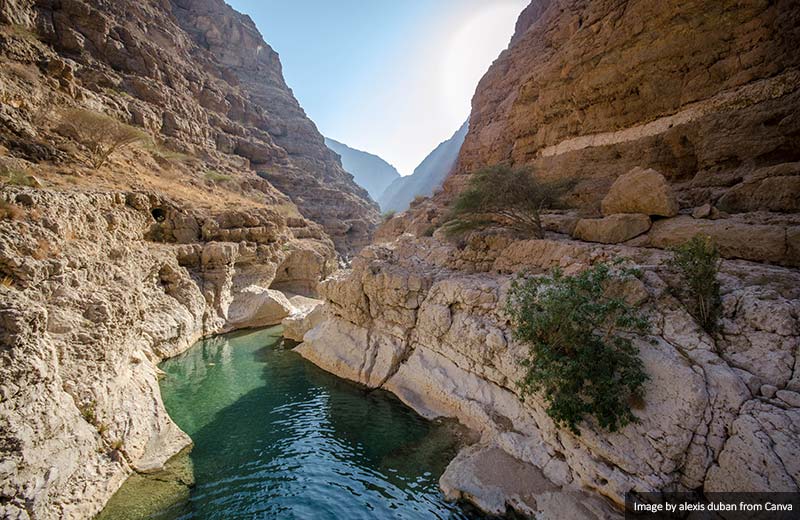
x: 589, y: 290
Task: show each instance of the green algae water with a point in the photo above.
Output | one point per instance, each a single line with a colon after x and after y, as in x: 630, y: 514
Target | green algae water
x: 276, y: 437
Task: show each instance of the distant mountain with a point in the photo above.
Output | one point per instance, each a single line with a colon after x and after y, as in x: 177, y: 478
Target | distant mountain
x: 427, y: 177
x: 369, y: 171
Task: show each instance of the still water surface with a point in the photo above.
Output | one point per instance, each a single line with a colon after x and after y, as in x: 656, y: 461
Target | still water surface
x: 276, y: 437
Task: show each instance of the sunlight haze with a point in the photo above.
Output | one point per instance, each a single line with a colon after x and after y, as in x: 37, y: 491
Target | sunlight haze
x: 391, y: 78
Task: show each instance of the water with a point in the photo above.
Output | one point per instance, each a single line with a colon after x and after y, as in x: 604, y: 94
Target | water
x: 276, y: 437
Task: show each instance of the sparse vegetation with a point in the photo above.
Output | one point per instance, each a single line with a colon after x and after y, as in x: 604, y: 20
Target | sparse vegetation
x: 504, y: 196
x: 20, y: 31
x: 117, y: 445
x: 697, y: 261
x: 88, y: 412
x: 419, y: 199
x: 99, y: 134
x: 17, y: 178
x: 10, y: 211
x: 7, y: 282
x: 388, y: 215
x: 582, y: 359
x: 44, y: 250
x: 215, y: 176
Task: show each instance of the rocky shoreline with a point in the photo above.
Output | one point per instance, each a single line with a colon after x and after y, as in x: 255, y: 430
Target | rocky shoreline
x: 86, y: 322
x: 421, y: 317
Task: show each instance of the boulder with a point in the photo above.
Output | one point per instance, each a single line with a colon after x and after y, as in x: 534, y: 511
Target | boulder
x: 640, y: 191
x: 612, y: 229
x: 735, y: 239
x: 296, y: 325
x: 256, y: 306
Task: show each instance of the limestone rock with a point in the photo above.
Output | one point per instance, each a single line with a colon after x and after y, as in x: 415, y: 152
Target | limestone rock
x: 256, y: 306
x: 612, y: 229
x: 576, y: 98
x: 196, y: 74
x: 495, y: 481
x: 296, y: 325
x: 423, y: 319
x: 90, y: 310
x: 640, y: 191
x: 735, y: 239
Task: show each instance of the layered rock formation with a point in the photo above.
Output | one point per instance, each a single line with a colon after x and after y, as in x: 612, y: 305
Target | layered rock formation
x: 104, y: 271
x: 423, y: 319
x: 427, y: 177
x: 590, y: 90
x: 195, y: 73
x: 672, y: 119
x: 98, y: 287
x: 368, y: 170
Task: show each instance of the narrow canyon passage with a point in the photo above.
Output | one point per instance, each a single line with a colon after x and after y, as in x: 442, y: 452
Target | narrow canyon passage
x: 276, y: 437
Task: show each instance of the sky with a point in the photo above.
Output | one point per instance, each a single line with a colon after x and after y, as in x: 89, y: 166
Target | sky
x: 391, y: 77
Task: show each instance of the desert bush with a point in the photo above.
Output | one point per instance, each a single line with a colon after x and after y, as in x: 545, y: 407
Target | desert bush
x: 215, y: 176
x: 18, y: 178
x: 99, y: 134
x: 388, y: 215
x: 88, y: 412
x: 581, y: 357
x: 697, y: 262
x: 504, y: 196
x: 10, y: 211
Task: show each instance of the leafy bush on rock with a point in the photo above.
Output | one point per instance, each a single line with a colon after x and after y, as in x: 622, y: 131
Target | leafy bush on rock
x: 582, y: 360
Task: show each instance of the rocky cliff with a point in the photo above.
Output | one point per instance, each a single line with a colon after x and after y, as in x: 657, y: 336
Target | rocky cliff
x: 195, y: 73
x: 368, y: 170
x: 427, y: 177
x: 228, y: 200
x: 97, y: 288
x: 671, y: 119
x: 589, y: 90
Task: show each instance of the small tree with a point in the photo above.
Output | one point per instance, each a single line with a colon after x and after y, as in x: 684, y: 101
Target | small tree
x: 99, y: 134
x: 581, y: 358
x: 698, y: 263
x: 504, y: 196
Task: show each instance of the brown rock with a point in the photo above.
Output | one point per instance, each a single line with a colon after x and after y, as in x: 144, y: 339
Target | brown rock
x: 577, y: 96
x: 612, y: 229
x: 640, y: 191
x: 762, y: 243
x: 703, y: 211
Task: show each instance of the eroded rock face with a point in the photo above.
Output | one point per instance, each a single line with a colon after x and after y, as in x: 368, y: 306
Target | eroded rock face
x: 96, y: 291
x: 195, y: 73
x: 424, y: 319
x: 590, y: 90
x: 612, y: 229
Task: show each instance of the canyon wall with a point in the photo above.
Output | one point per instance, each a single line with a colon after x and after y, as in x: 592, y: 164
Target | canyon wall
x: 98, y: 288
x: 423, y: 318
x: 670, y: 119
x: 704, y: 92
x: 195, y: 73
x: 229, y: 197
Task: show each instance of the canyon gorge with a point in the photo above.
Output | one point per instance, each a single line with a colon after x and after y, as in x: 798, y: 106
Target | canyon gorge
x: 668, y: 120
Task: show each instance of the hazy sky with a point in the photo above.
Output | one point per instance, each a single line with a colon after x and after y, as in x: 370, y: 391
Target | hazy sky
x: 392, y: 77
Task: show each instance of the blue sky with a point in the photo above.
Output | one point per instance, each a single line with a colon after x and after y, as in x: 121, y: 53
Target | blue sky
x: 392, y: 77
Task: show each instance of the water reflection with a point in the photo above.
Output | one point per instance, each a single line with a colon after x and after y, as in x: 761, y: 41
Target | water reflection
x: 276, y: 437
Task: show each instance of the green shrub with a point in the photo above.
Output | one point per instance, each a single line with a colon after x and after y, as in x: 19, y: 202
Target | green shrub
x: 215, y: 176
x: 581, y: 356
x: 504, y: 196
x: 388, y: 215
x: 88, y: 412
x: 698, y: 261
x: 18, y: 178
